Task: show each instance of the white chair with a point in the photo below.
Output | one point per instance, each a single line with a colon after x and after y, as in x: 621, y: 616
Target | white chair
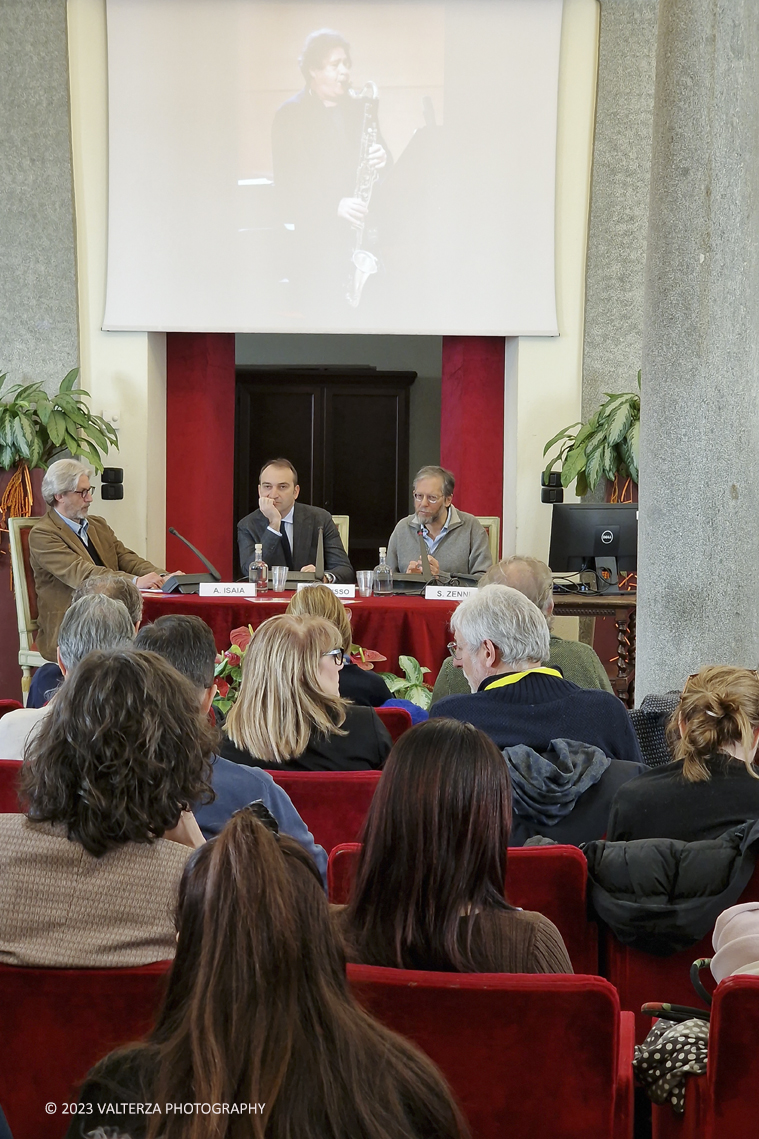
x: 26, y: 599
x: 492, y: 526
x: 342, y: 522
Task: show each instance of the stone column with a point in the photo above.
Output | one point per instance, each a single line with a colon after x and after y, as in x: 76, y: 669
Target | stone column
x: 699, y: 491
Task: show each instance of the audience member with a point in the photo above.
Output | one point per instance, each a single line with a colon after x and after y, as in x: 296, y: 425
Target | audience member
x: 90, y: 873
x: 289, y: 711
x: 456, y: 542
x: 258, y: 1011
x: 429, y: 889
x: 575, y: 660
x: 500, y: 640
x: 360, y: 685
x: 187, y: 643
x: 712, y: 785
x: 49, y: 677
x: 93, y: 622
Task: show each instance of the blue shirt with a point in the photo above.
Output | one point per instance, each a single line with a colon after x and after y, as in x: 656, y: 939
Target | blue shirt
x: 237, y: 785
x: 433, y: 543
x: 79, y: 528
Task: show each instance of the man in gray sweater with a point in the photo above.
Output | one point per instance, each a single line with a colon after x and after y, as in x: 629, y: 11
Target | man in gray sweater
x: 456, y: 542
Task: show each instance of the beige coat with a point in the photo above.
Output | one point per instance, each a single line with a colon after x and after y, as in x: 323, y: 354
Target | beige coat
x: 61, y: 562
x: 63, y: 908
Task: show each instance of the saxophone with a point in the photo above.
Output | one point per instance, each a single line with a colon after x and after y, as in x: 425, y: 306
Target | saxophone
x: 364, y: 263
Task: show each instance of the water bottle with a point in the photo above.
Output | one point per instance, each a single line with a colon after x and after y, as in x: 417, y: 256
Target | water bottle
x: 383, y: 575
x: 258, y: 571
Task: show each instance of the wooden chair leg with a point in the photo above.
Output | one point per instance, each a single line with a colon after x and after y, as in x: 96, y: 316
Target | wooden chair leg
x: 26, y: 680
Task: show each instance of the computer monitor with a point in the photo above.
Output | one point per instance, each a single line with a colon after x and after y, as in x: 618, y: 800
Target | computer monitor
x: 602, y: 537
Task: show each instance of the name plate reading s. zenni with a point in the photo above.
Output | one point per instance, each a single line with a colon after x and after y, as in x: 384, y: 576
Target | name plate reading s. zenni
x: 449, y: 592
x: 227, y: 589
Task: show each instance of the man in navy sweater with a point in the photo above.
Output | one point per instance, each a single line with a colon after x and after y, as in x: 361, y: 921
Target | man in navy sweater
x: 187, y: 643
x: 500, y: 641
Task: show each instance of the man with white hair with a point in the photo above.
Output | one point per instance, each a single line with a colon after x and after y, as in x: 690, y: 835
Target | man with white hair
x: 500, y: 641
x: 93, y: 622
x: 66, y: 547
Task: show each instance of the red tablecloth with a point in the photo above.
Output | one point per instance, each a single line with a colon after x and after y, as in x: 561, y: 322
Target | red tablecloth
x: 391, y: 625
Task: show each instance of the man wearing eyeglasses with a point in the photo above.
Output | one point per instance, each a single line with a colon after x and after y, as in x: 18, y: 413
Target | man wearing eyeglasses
x: 456, y: 542
x: 66, y: 547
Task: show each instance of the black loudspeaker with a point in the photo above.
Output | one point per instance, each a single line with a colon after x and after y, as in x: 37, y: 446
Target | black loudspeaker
x: 551, y: 489
x: 112, y: 483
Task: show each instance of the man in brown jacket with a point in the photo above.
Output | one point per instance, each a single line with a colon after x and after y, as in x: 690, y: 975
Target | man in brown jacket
x: 66, y: 547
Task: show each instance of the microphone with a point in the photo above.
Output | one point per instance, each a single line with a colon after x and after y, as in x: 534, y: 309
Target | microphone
x: 189, y: 582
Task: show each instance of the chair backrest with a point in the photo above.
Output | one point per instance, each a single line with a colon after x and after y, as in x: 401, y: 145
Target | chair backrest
x: 23, y: 579
x: 733, y: 1046
x: 9, y: 706
x: 549, y: 879
x: 333, y: 804
x: 492, y: 526
x: 55, y: 1024
x: 640, y: 977
x: 525, y: 1055
x: 10, y: 769
x: 396, y: 720
x: 343, y: 524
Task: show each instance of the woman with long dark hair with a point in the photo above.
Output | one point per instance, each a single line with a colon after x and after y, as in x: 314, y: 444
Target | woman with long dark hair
x: 430, y: 883
x: 258, y: 1012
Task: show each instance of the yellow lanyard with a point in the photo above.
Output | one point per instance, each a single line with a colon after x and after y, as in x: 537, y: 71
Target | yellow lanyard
x: 514, y: 677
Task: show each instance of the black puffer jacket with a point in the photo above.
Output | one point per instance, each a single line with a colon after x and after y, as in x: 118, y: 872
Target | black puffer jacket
x: 662, y: 895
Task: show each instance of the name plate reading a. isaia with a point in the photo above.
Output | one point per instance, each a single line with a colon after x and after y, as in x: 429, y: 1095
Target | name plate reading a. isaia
x: 227, y: 589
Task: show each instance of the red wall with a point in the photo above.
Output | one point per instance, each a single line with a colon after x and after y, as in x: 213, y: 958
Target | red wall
x: 200, y: 449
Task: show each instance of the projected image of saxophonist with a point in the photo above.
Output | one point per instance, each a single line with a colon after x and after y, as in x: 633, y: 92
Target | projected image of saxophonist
x: 328, y: 154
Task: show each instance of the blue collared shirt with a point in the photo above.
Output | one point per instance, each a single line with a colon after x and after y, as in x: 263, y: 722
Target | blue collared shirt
x: 79, y: 528
x: 433, y: 543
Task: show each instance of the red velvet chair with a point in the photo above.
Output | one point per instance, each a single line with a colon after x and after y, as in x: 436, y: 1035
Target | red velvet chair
x: 333, y: 804
x: 723, y: 1103
x: 55, y: 1024
x: 396, y: 720
x: 549, y: 879
x: 10, y: 770
x: 640, y: 977
x: 526, y: 1056
x: 9, y: 706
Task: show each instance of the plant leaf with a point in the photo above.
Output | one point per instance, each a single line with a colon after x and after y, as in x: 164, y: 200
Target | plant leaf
x: 23, y: 433
x: 412, y: 669
x: 56, y: 427
x: 581, y: 488
x: 573, y: 464
x: 561, y: 435
x: 610, y: 462
x: 619, y: 423
x: 69, y: 380
x: 594, y: 468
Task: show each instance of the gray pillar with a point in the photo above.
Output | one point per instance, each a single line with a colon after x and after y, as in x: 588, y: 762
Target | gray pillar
x: 619, y: 200
x: 699, y: 491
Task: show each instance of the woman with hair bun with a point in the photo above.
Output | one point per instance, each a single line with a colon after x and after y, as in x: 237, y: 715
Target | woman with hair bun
x: 713, y: 783
x: 258, y: 1011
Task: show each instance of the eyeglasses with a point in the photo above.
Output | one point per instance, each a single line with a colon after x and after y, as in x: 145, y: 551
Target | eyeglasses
x: 432, y: 499
x: 88, y: 492
x: 455, y: 650
x: 337, y: 655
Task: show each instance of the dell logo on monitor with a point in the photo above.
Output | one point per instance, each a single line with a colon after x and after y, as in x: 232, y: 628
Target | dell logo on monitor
x: 607, y: 537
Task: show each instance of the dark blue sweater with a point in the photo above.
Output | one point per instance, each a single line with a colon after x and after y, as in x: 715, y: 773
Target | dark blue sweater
x: 540, y: 708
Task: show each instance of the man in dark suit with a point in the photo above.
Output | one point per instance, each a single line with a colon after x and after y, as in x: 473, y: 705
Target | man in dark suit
x: 288, y: 530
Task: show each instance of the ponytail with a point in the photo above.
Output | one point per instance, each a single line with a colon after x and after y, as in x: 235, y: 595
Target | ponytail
x: 719, y: 706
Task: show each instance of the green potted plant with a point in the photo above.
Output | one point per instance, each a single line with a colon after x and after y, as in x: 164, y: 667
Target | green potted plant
x: 604, y: 447
x: 411, y: 685
x: 35, y: 426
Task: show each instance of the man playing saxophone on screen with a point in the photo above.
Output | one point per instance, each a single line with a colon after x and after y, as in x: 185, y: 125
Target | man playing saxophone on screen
x: 321, y: 146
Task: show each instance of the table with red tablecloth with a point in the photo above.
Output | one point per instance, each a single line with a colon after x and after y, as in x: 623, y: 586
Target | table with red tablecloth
x: 394, y: 626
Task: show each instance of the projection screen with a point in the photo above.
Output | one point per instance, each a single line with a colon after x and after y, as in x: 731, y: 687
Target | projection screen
x: 377, y: 166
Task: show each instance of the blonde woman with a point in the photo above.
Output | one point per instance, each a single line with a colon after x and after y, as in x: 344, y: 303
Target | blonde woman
x: 713, y: 783
x: 290, y: 712
x: 356, y: 684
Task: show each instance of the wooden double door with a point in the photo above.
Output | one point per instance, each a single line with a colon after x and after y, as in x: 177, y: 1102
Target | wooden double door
x: 346, y: 430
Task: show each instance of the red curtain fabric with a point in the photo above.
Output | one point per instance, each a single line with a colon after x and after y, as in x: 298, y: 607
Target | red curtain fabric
x: 471, y: 420
x: 200, y: 449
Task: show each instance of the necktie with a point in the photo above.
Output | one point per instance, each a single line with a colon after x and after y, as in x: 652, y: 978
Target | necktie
x: 286, y: 546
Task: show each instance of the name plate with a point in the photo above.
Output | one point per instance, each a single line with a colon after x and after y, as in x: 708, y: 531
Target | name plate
x: 338, y: 590
x: 449, y: 592
x: 227, y: 589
